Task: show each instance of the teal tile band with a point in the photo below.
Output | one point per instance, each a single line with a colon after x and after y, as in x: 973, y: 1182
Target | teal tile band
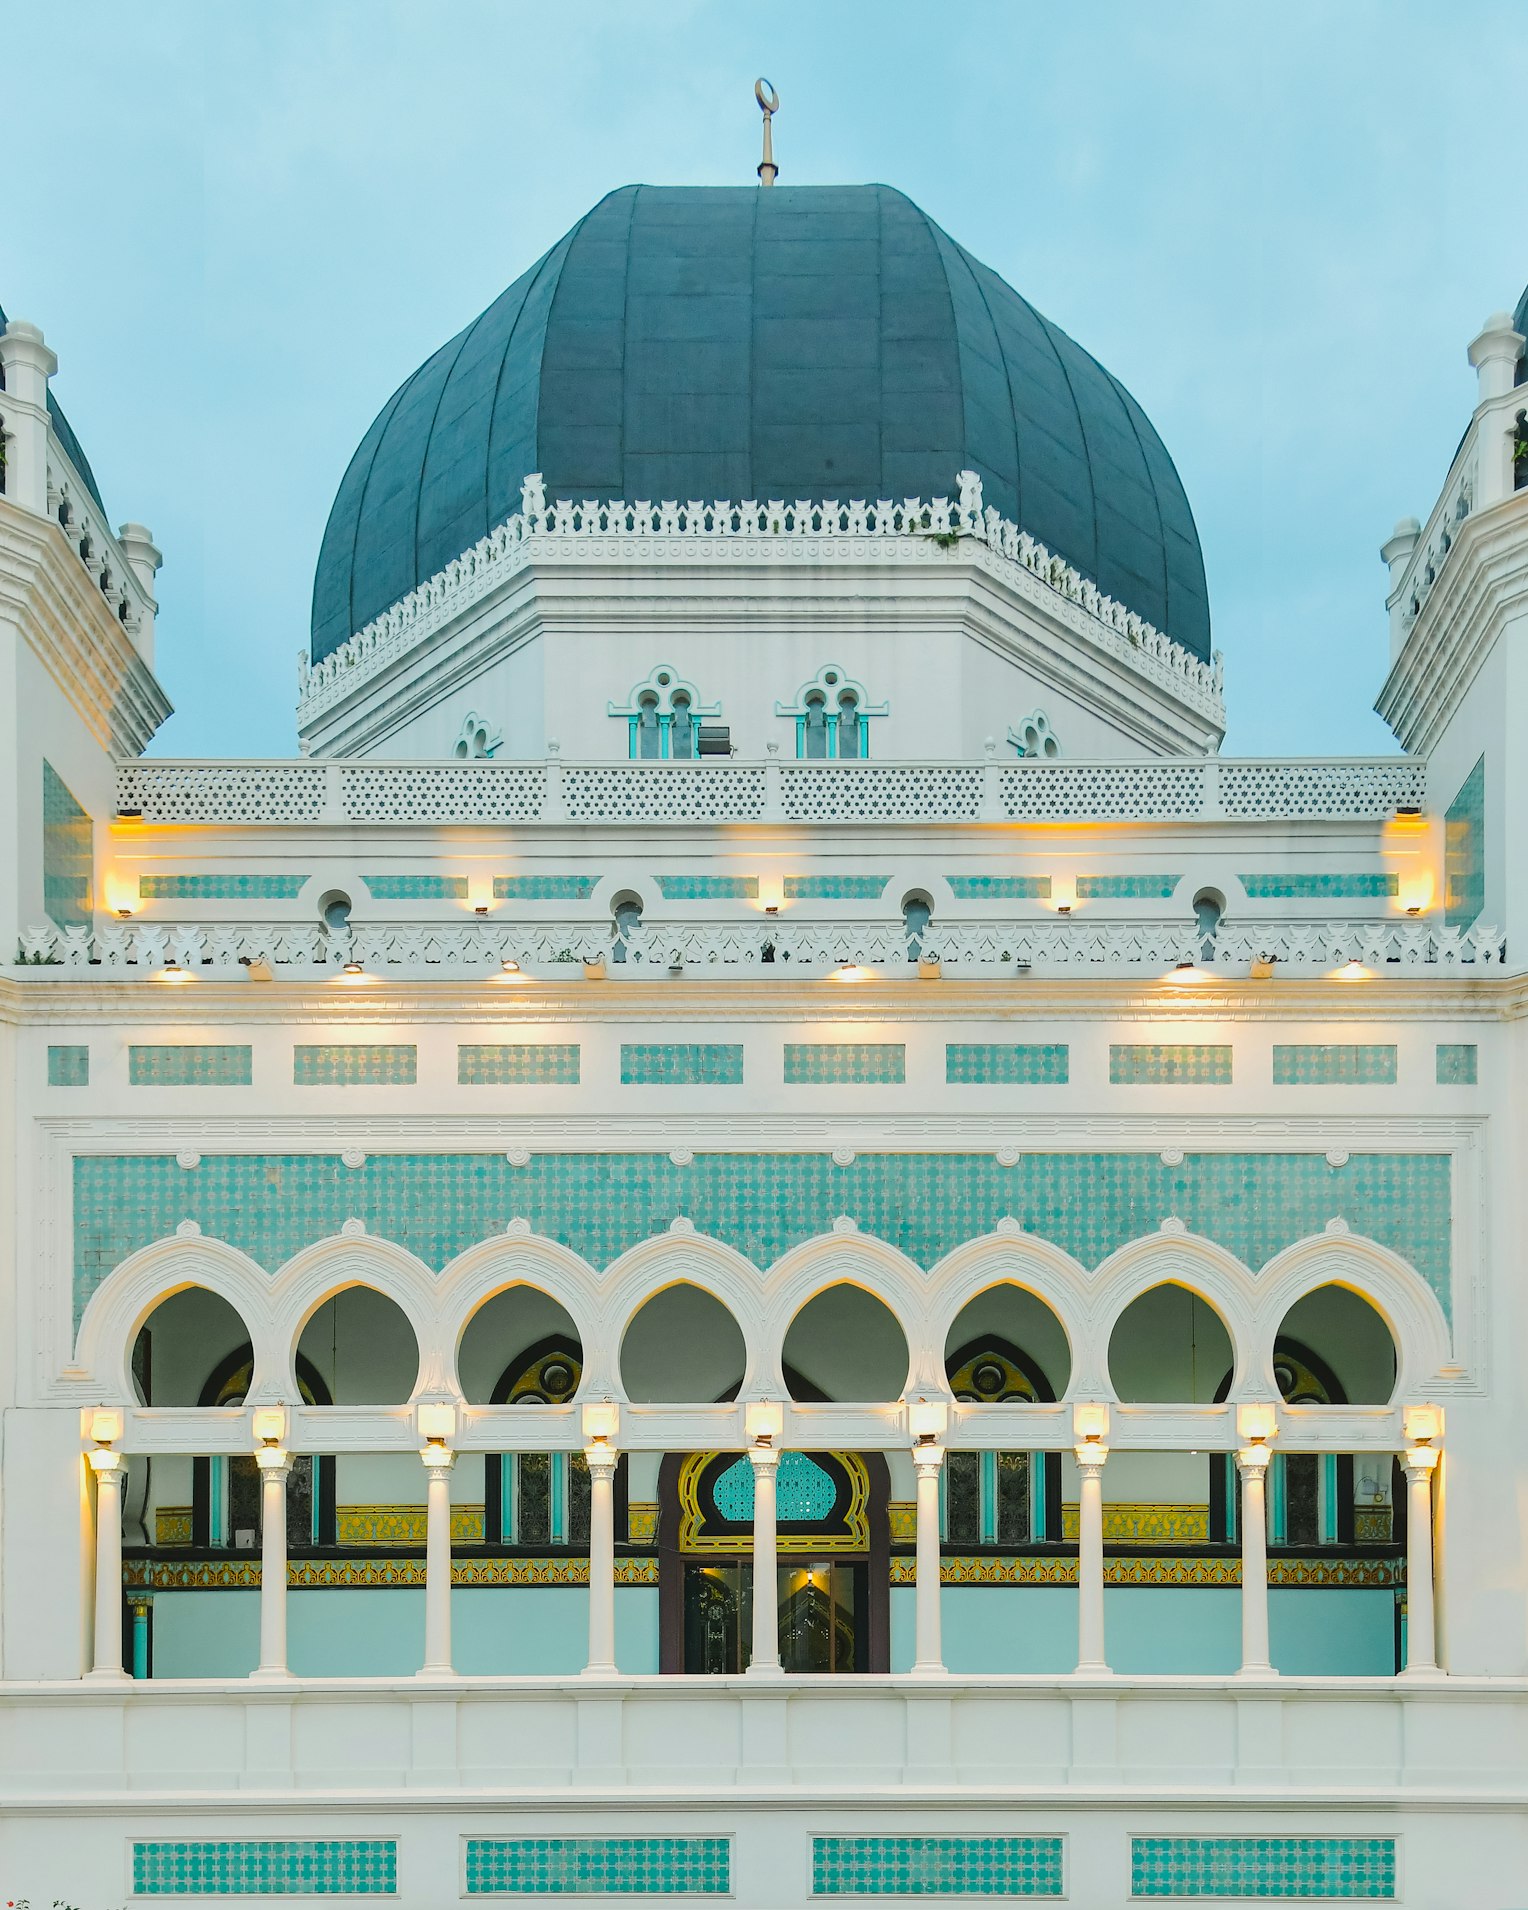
x: 269, y: 1205
x: 544, y: 888
x: 835, y: 888
x: 518, y: 1064
x: 991, y: 1063
x: 999, y: 888
x: 1464, y: 851
x: 681, y: 1064
x: 184, y: 1066
x: 1458, y: 1064
x: 262, y: 1867
x: 67, y: 856
x: 349, y: 1064
x: 1127, y: 888
x: 708, y: 888
x: 417, y: 888
x: 844, y: 1063
x: 937, y: 1866
x: 1311, y: 887
x: 69, y: 1067
x: 1340, y: 1868
x: 1197, y: 1064
x: 1328, y: 1064
x: 220, y: 888
x: 599, y: 1866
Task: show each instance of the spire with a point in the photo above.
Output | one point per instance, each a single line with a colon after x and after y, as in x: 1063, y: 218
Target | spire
x: 769, y: 105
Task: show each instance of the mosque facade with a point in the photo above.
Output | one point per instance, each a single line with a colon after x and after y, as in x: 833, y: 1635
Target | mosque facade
x: 759, y: 1233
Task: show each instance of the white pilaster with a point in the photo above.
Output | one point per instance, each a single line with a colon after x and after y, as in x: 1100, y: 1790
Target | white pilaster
x: 108, y: 1467
x: 929, y: 1654
x: 1421, y: 1631
x: 1252, y: 1466
x: 438, y: 1462
x: 765, y: 1660
x: 602, y: 1464
x: 1090, y: 1559
x: 275, y: 1469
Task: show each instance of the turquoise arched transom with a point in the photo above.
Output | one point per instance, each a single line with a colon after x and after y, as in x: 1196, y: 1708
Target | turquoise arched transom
x: 803, y: 1491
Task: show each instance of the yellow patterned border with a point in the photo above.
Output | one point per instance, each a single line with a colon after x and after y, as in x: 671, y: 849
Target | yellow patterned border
x: 197, y: 1575
x: 1364, y: 1574
x: 1373, y: 1525
x: 172, y: 1525
x: 902, y: 1521
x: 1146, y: 1524
x: 693, y: 1542
x: 642, y: 1522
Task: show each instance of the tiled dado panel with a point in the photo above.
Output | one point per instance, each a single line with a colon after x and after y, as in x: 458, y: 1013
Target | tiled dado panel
x: 417, y: 888
x: 307, y: 1867
x: 69, y: 1067
x: 1293, y: 886
x: 67, y: 859
x: 1458, y: 1064
x: 181, y: 1065
x: 518, y: 1064
x: 681, y: 1064
x: 1181, y: 1064
x: 844, y: 1063
x: 990, y: 1063
x: 937, y: 1866
x: 353, y: 1064
x: 1343, y: 1869
x: 601, y: 1204
x: 1330, y: 1064
x: 544, y: 888
x: 599, y: 1867
x: 220, y: 888
x: 1464, y: 851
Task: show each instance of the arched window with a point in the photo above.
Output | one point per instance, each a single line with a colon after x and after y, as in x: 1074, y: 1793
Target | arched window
x: 225, y: 1489
x: 1003, y: 1499
x: 626, y: 917
x: 663, y: 718
x: 917, y: 910
x: 1033, y: 738
x: 477, y: 740
x: 1310, y: 1494
x: 832, y: 715
x: 539, y: 1501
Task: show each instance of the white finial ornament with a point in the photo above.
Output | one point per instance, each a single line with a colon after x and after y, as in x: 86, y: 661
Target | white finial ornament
x: 769, y: 105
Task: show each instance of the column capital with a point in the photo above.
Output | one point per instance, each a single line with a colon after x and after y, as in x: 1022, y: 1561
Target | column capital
x: 1090, y: 1459
x: 602, y: 1459
x: 105, y: 1462
x: 764, y: 1458
x: 928, y: 1458
x: 1253, y: 1459
x: 438, y: 1461
x: 274, y: 1462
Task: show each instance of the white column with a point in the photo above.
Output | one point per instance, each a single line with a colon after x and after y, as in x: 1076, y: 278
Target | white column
x: 765, y: 1661
x: 275, y: 1469
x: 108, y: 1467
x: 1252, y: 1465
x: 602, y: 1464
x: 1090, y: 1559
x: 1421, y: 1634
x: 438, y: 1461
x: 929, y: 1654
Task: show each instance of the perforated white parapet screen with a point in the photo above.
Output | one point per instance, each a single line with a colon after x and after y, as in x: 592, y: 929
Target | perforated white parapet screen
x: 444, y: 792
x: 665, y: 792
x: 830, y: 792
x: 1360, y: 790
x: 1094, y: 792
x: 222, y: 792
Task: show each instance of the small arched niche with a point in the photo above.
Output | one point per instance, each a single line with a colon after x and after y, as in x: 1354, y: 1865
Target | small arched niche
x: 187, y: 1336
x: 502, y: 1332
x: 845, y: 1344
x: 1169, y: 1347
x: 1012, y: 1314
x: 1348, y: 1348
x: 362, y: 1346
x: 682, y: 1345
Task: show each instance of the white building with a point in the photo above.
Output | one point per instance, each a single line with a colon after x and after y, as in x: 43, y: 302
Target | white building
x: 760, y: 1233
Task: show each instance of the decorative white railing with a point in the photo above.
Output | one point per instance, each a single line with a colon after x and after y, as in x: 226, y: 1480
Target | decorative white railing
x: 94, y: 542
x: 463, y: 950
x: 911, y: 529
x: 1173, y: 790
x: 1426, y: 562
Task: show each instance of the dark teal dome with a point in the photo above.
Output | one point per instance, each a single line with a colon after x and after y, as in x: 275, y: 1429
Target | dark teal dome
x: 726, y: 342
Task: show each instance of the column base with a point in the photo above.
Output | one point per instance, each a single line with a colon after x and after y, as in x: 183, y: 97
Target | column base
x: 272, y: 1675
x: 764, y: 1671
x: 600, y: 1671
x: 436, y: 1671
x: 108, y: 1677
x: 1421, y: 1675
x: 1256, y: 1673
x: 1094, y: 1670
x: 934, y: 1670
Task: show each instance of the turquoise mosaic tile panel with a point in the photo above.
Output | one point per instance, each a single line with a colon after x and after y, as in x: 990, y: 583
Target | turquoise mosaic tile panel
x: 1127, y: 888
x: 681, y: 1064
x: 1311, y: 887
x: 999, y: 888
x: 803, y: 1490
x: 844, y: 1063
x: 1458, y: 1064
x: 709, y: 888
x: 269, y: 1205
x: 184, y: 1066
x: 937, y: 1866
x: 599, y: 1866
x: 544, y: 888
x: 1340, y: 1868
x: 220, y: 888
x: 267, y: 1867
x: 1181, y: 1064
x: 989, y: 1063
x: 352, y: 1064
x: 66, y: 853
x: 1328, y: 1064
x: 417, y: 888
x: 69, y: 1067
x: 518, y: 1064
x: 1464, y: 851
x: 835, y: 888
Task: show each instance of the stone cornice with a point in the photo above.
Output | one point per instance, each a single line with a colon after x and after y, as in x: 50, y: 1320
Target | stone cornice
x: 70, y: 628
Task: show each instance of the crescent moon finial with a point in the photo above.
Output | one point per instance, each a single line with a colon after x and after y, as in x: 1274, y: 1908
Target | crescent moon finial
x: 769, y: 105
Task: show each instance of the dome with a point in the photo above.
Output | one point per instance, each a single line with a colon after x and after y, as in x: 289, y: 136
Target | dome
x: 727, y: 342
x: 73, y: 449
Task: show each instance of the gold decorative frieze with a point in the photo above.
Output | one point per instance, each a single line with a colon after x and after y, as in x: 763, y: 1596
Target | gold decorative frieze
x: 1126, y: 1524
x: 402, y: 1525
x: 902, y: 1521
x: 642, y: 1522
x: 172, y: 1525
x: 1373, y: 1524
x: 243, y: 1574
x: 1348, y: 1573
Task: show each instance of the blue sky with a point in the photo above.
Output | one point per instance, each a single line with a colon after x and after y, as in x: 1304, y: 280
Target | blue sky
x: 242, y: 226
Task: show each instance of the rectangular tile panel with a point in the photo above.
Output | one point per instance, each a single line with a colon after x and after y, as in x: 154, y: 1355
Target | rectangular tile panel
x: 835, y: 888
x: 544, y: 888
x: 1309, y: 886
x: 220, y: 888
x: 989, y: 1063
x: 844, y: 1063
x: 267, y: 1867
x: 1464, y: 851
x: 1458, y: 1064
x: 417, y: 888
x: 69, y: 1067
x: 179, y: 1065
x: 1179, y: 1064
x: 708, y: 888
x: 937, y: 1866
x: 681, y: 1064
x: 599, y: 1867
x: 349, y: 1064
x: 999, y: 888
x: 1126, y: 888
x: 1327, y: 1064
x: 518, y: 1064
x: 1266, y: 1868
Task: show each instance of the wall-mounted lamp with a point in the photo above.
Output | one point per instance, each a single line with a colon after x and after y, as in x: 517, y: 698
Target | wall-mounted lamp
x: 509, y: 967
x: 1261, y: 969
x: 1257, y: 1421
x: 105, y: 1426
x: 930, y: 968
x: 1090, y: 1430
x: 602, y: 1422
x: 771, y: 908
x: 268, y: 1424
x: 594, y: 968
x: 172, y: 971
x: 437, y: 1427
x: 764, y: 1421
x: 927, y: 1420
x: 1063, y: 908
